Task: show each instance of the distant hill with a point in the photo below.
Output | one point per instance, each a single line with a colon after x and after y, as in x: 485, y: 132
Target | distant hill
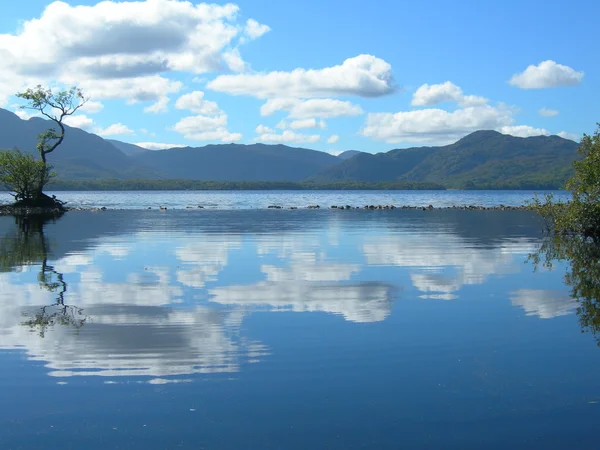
x: 81, y: 155
x: 348, y: 154
x: 126, y: 148
x: 236, y: 162
x: 481, y: 159
x: 484, y: 159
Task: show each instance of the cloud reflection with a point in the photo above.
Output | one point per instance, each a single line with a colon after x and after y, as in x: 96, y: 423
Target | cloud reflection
x: 542, y: 303
x: 367, y: 302
x: 167, y: 305
x: 442, y: 263
x: 135, y: 340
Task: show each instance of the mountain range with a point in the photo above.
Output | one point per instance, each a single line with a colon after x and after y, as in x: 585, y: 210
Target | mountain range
x: 480, y: 159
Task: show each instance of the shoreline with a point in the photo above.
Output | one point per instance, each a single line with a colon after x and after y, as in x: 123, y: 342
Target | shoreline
x: 8, y: 210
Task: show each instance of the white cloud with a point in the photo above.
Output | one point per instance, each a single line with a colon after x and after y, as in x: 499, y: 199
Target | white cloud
x: 363, y: 75
x: 160, y: 106
x: 571, y: 136
x: 523, y: 131
x: 92, y: 107
x: 110, y: 43
x: 472, y: 100
x: 288, y: 136
x: 25, y: 115
x: 79, y: 121
x: 139, y: 89
x: 157, y: 145
x: 194, y: 124
x: 115, y: 129
x: 261, y: 129
x: 434, y: 125
x: 255, y: 30
x: 206, y: 128
x: 301, y: 124
x: 234, y: 61
x: 194, y: 102
x: 546, y: 74
x: 220, y: 134
x: 428, y: 95
x: 546, y: 112
x: 323, y: 108
x: 333, y: 139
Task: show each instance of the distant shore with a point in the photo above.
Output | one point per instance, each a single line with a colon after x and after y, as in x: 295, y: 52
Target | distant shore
x: 192, y: 185
x: 8, y: 210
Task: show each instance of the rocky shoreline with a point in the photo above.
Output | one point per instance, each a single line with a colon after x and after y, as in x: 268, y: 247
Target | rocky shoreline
x: 8, y: 210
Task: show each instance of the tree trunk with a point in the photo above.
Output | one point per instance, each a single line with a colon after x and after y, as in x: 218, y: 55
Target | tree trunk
x: 40, y: 187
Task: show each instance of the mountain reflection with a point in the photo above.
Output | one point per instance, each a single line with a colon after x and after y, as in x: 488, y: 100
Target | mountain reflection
x: 582, y: 276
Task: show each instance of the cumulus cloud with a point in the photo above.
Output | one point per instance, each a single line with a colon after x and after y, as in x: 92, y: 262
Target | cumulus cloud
x: 160, y: 106
x: 24, y: 115
x: 363, y: 75
x: 116, y: 129
x: 112, y: 42
x: 428, y: 95
x: 206, y: 128
x: 210, y: 123
x: 546, y: 112
x: 92, y: 107
x: 333, y: 139
x: 546, y: 74
x: 261, y: 129
x: 157, y: 145
x: 571, y: 136
x: 523, y: 131
x: 434, y: 125
x: 301, y: 124
x: 287, y: 136
x: 255, y: 30
x: 195, y: 102
x: 79, y: 121
x: 140, y: 89
x: 323, y: 108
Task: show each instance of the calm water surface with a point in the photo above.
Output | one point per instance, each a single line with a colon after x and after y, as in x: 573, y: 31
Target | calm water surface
x: 300, y: 199
x: 296, y: 330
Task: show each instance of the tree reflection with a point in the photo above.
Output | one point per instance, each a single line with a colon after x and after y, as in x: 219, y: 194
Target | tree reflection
x: 27, y: 245
x: 583, y: 274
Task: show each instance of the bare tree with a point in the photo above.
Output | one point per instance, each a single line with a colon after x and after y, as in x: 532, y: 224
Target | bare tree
x: 54, y: 106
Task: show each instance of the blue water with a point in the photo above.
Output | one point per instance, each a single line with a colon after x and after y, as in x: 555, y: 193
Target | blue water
x: 286, y: 199
x: 309, y: 329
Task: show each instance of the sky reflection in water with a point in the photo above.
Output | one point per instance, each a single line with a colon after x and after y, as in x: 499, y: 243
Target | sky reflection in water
x: 437, y: 310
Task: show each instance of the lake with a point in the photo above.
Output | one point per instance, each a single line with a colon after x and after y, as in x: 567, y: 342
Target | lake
x: 304, y: 329
x: 299, y: 199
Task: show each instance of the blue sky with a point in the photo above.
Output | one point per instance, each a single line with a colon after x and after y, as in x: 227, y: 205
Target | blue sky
x: 331, y: 76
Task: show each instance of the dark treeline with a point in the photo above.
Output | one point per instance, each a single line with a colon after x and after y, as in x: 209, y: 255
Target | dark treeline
x: 194, y: 185
x: 524, y: 185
